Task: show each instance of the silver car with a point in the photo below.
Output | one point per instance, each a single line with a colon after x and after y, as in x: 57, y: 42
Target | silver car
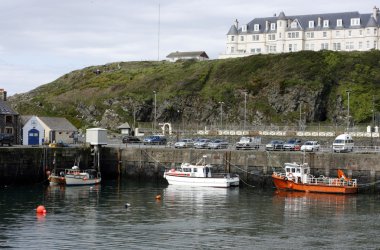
x: 202, y: 143
x: 184, y: 143
x: 217, y: 144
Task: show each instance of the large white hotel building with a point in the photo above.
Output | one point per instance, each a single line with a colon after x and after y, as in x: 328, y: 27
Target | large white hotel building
x: 345, y: 31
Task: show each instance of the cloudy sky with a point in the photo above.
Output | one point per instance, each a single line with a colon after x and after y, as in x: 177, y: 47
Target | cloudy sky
x: 40, y: 40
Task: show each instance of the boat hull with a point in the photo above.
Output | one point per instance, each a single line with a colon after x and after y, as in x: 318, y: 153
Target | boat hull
x: 78, y: 180
x: 289, y: 185
x: 56, y: 180
x: 202, y: 182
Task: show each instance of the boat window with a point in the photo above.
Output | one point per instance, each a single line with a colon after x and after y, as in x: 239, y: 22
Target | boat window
x: 186, y: 169
x: 293, y: 170
x: 305, y: 171
x: 298, y: 170
x: 195, y: 170
x: 287, y: 170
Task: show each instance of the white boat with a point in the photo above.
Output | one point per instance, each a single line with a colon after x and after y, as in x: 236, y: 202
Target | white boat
x: 200, y: 175
x: 75, y: 176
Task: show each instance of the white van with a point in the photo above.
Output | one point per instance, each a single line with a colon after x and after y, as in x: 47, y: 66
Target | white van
x: 343, y: 143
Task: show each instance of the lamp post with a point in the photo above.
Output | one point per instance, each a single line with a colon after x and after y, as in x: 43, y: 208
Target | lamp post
x: 155, y: 109
x: 245, y: 108
x: 348, y: 109
x: 221, y: 114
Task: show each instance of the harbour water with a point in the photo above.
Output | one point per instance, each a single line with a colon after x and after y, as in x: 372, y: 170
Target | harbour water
x: 184, y: 218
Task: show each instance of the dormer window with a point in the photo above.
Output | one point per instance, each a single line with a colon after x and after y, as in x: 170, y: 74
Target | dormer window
x: 325, y: 23
x: 311, y: 24
x: 355, y: 21
x: 339, y: 23
x: 293, y: 25
x: 256, y: 27
x: 244, y: 28
x: 273, y: 26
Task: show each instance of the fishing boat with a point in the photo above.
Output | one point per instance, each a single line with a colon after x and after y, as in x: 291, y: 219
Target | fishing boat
x: 297, y: 177
x: 75, y: 177
x: 200, y: 175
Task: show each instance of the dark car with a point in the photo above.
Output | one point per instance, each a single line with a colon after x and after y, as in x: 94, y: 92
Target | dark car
x: 275, y: 145
x: 155, y: 139
x: 6, y: 139
x: 293, y: 145
x: 131, y: 139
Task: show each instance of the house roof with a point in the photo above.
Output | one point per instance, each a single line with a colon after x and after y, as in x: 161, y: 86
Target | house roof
x: 124, y: 125
x: 233, y: 30
x: 58, y: 123
x: 304, y: 21
x: 187, y: 54
x: 5, y: 109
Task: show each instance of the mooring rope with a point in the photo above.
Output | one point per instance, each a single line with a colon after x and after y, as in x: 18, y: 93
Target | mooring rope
x: 246, y: 183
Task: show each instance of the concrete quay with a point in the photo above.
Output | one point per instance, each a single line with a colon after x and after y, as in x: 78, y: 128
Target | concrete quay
x: 28, y: 165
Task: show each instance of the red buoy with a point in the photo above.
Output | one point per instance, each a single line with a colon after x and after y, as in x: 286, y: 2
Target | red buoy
x: 158, y: 197
x: 41, y: 210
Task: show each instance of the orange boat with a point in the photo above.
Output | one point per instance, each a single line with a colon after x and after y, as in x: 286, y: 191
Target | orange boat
x: 297, y: 177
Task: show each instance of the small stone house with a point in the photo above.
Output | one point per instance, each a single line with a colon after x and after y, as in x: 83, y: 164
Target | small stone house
x: 38, y: 130
x: 196, y: 55
x: 9, y: 119
x: 125, y: 129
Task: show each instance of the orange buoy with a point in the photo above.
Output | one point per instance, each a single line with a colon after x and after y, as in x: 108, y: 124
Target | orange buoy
x: 158, y: 197
x: 41, y: 210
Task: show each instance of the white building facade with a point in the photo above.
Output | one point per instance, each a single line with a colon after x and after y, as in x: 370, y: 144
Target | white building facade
x: 347, y: 31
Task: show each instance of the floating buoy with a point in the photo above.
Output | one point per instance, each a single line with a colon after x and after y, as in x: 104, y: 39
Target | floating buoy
x: 158, y: 197
x: 41, y: 210
x: 127, y: 205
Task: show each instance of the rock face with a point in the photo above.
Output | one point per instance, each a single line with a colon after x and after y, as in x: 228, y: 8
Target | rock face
x: 304, y: 87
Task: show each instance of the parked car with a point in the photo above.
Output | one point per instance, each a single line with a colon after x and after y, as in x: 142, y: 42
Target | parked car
x: 6, y: 139
x: 130, y: 139
x: 293, y: 145
x: 275, y: 145
x: 184, y: 143
x: 155, y: 139
x: 343, y: 143
x: 217, y: 144
x: 202, y: 143
x: 248, y: 143
x: 59, y: 144
x: 310, y: 146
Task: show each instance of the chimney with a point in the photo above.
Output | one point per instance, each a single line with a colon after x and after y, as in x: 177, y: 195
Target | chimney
x: 237, y: 24
x: 3, y: 95
x: 319, y: 21
x: 375, y: 12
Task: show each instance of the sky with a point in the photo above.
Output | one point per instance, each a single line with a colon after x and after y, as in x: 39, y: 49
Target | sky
x: 41, y: 40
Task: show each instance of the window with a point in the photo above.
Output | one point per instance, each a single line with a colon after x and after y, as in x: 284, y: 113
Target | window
x: 355, y: 21
x: 349, y: 45
x: 256, y: 27
x: 367, y: 44
x: 272, y: 26
x: 324, y: 46
x: 9, y: 130
x: 309, y: 34
x: 258, y: 50
x: 244, y: 28
x: 272, y: 48
x: 339, y: 23
x: 232, y: 38
x: 349, y: 33
x: 232, y: 49
x: 255, y: 37
x: 360, y: 32
x: 324, y: 34
x: 307, y: 46
x: 368, y: 32
x: 375, y: 31
x: 325, y: 23
x: 360, y: 45
x: 242, y: 38
x: 311, y: 24
x: 337, y: 33
x: 336, y: 46
x: 294, y: 25
x: 271, y: 37
x: 8, y: 119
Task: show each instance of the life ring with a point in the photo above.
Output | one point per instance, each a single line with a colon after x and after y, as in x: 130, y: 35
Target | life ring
x: 290, y: 176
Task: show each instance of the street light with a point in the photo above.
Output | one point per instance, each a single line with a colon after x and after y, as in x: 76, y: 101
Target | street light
x: 348, y: 109
x: 221, y: 114
x: 155, y: 109
x: 245, y: 108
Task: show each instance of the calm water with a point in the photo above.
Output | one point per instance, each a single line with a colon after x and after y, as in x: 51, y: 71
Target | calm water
x: 193, y: 218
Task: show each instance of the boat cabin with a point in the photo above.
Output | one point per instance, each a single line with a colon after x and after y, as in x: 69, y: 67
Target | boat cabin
x: 196, y: 170
x: 299, y: 173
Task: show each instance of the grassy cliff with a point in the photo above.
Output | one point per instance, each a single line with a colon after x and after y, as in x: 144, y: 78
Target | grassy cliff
x: 188, y: 91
